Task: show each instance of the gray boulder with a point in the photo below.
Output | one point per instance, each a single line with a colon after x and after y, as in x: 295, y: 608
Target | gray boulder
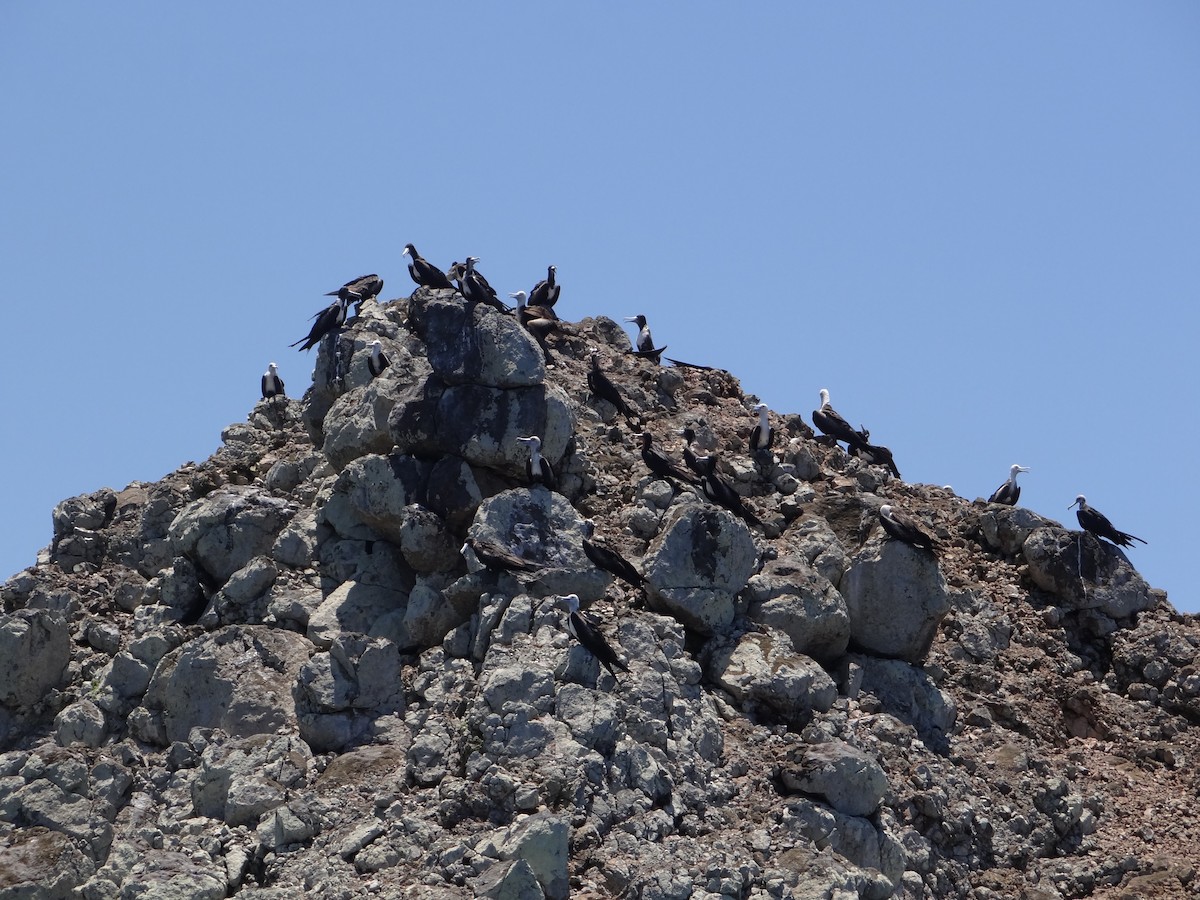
x: 789, y: 596
x: 542, y: 841
x: 228, y: 528
x: 909, y: 694
x: 240, y: 779
x: 357, y: 423
x: 896, y: 596
x: 341, y: 692
x: 238, y: 679
x: 472, y: 342
x: 543, y: 527
x: 1084, y: 572
x: 849, y: 780
x: 1006, y: 528
x: 35, y: 650
x: 697, y: 565
x: 764, y: 673
x: 39, y: 864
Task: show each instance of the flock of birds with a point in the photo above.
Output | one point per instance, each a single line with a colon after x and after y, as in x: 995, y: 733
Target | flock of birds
x: 535, y: 311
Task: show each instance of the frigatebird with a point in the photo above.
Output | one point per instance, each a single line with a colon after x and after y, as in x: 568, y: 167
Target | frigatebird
x: 903, y: 528
x: 537, y: 467
x: 1009, y: 492
x: 1097, y: 523
x: 585, y: 629
x: 425, y: 273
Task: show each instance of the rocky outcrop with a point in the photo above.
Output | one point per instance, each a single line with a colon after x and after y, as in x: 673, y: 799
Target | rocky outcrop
x: 274, y: 672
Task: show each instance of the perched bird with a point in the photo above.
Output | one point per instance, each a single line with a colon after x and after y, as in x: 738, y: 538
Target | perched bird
x: 602, y: 387
x: 475, y: 288
x: 903, y: 528
x: 545, y: 292
x: 763, y: 434
x: 494, y: 556
x: 720, y: 492
x: 377, y: 361
x: 608, y: 559
x: 1097, y: 523
x: 701, y: 465
x: 328, y: 320
x: 359, y: 290
x: 425, y: 273
x: 829, y: 421
x: 661, y: 465
x: 1009, y: 492
x: 272, y: 384
x: 874, y: 454
x: 539, y: 321
x: 537, y: 467
x: 585, y: 629
x: 644, y: 342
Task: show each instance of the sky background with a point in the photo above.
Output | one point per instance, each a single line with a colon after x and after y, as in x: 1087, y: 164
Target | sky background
x: 977, y: 224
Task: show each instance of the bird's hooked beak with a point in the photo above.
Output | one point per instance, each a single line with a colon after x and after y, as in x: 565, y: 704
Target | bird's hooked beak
x: 631, y: 318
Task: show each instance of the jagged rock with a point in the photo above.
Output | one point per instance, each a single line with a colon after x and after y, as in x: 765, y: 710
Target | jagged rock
x: 698, y: 564
x: 908, y: 694
x: 877, y: 858
x: 80, y: 723
x: 35, y: 650
x: 238, y: 780
x: 1084, y: 572
x: 540, y: 840
x: 374, y: 491
x: 353, y: 607
x: 357, y: 424
x: 543, y: 527
x: 227, y: 529
x: 1006, y: 528
x: 474, y: 343
x: 763, y: 671
x: 849, y: 780
x: 340, y: 692
x: 513, y: 880
x: 896, y: 596
x: 453, y: 493
x: 238, y: 679
x: 789, y: 596
x: 297, y: 543
x: 426, y: 541
x: 39, y: 864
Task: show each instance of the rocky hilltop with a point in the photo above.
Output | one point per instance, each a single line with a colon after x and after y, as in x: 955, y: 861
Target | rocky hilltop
x: 275, y: 673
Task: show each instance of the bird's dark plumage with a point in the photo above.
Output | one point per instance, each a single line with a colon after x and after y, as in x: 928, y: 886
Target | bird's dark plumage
x: 586, y: 630
x: 874, y: 454
x: 495, y: 556
x: 602, y: 387
x: 701, y: 465
x: 537, y: 467
x: 362, y: 288
x: 545, y: 292
x: 1009, y: 492
x: 1097, y: 523
x: 425, y: 273
x: 829, y: 421
x: 475, y: 288
x: 662, y: 465
x: 720, y: 492
x: 327, y: 320
x: 903, y: 528
x: 377, y: 361
x: 644, y: 342
x: 763, y: 435
x: 606, y: 558
x: 272, y: 384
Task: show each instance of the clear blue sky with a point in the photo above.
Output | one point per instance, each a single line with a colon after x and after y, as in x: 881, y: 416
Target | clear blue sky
x: 977, y: 224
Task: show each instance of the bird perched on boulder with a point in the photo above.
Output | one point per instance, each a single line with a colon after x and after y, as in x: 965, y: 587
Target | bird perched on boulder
x: 424, y: 273
x: 272, y: 384
x: 537, y: 467
x: 701, y: 465
x: 377, y: 361
x: 539, y: 321
x: 644, y: 342
x: 1097, y: 523
x: 475, y: 288
x: 361, y: 289
x: 829, y: 422
x: 874, y: 454
x: 494, y: 556
x: 545, y: 292
x: 602, y: 387
x: 903, y: 528
x: 1009, y: 492
x: 763, y: 434
x: 606, y: 558
x: 585, y: 629
x: 662, y: 465
x: 720, y: 492
x: 327, y: 321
